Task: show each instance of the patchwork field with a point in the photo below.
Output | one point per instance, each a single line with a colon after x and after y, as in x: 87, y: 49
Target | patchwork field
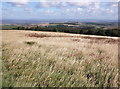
x: 52, y: 59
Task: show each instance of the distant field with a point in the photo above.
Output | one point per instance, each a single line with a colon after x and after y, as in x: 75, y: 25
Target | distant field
x: 53, y: 59
x: 87, y: 28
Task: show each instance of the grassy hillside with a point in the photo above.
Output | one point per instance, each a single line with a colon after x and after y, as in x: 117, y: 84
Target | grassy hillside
x: 49, y: 59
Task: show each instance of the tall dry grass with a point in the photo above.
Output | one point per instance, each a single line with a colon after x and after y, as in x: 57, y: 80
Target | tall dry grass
x: 51, y: 61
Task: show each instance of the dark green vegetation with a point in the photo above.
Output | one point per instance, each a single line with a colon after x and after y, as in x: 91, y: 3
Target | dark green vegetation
x: 30, y: 43
x: 9, y: 27
x: 89, y: 28
x: 103, y: 23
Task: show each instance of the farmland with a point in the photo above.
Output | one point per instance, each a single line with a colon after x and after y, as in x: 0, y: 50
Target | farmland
x: 53, y: 59
x: 88, y: 28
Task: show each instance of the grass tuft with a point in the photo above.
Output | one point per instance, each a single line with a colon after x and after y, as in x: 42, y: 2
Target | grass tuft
x: 30, y: 42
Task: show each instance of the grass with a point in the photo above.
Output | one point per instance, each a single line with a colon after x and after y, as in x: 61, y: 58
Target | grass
x: 57, y: 62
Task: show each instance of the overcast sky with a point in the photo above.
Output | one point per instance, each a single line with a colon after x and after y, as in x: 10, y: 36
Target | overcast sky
x: 60, y: 9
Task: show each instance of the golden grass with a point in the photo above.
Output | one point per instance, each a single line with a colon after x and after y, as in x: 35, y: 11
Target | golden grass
x: 50, y: 59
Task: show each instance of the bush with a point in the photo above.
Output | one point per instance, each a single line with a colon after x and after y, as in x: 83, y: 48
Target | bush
x: 30, y: 43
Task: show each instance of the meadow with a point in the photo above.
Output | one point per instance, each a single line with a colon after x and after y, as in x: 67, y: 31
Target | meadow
x: 53, y: 59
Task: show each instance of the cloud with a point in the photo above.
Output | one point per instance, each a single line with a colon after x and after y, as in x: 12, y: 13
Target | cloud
x: 48, y: 11
x: 18, y: 3
x: 69, y: 0
x: 56, y: 4
x: 79, y: 10
x: 65, y: 9
x: 83, y: 8
x: 47, y: 4
x: 28, y: 10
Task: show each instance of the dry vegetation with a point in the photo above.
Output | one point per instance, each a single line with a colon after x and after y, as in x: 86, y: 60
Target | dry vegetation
x: 49, y: 59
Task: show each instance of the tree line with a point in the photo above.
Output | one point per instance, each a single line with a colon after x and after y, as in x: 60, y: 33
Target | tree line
x: 89, y: 30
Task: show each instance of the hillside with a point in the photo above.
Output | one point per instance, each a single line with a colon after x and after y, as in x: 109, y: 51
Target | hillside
x: 53, y: 59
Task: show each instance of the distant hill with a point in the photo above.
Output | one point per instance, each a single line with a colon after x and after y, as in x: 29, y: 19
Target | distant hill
x: 31, y: 21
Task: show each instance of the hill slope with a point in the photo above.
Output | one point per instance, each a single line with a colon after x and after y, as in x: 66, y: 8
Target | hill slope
x: 49, y: 59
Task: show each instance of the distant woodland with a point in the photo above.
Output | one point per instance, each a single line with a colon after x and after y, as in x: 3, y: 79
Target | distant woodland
x: 84, y: 29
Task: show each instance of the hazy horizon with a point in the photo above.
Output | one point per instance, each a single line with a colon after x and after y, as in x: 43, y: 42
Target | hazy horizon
x: 34, y: 21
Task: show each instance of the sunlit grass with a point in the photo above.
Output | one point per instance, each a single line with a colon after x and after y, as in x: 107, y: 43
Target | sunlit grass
x: 59, y: 64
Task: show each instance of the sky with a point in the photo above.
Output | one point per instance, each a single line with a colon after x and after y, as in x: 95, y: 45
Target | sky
x: 60, y: 9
